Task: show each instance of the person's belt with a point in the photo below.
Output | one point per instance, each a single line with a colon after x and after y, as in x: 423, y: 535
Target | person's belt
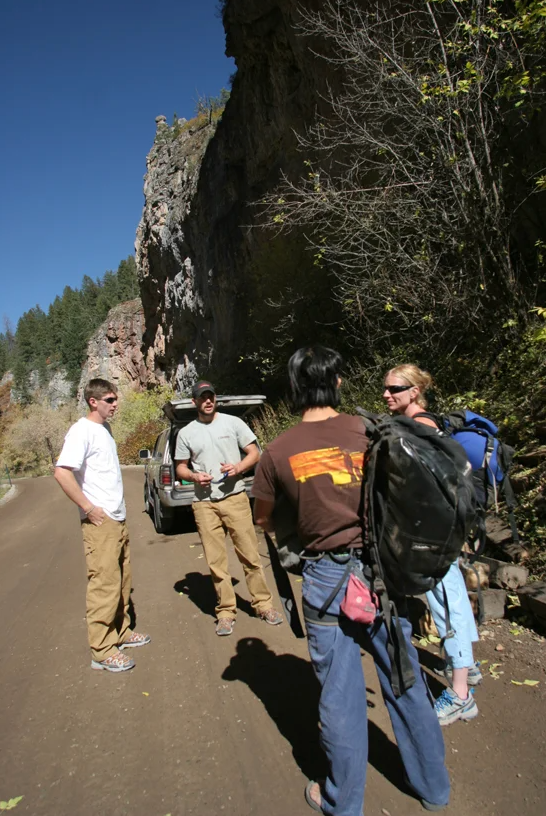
x: 333, y: 555
x: 312, y: 615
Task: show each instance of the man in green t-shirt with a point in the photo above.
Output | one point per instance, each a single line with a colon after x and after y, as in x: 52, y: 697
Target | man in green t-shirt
x: 212, y: 444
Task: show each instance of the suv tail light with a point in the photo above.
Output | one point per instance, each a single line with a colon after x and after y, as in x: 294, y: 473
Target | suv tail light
x: 165, y: 475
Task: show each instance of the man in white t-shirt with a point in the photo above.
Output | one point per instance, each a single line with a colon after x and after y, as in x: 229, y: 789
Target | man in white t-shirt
x: 88, y: 471
x: 213, y: 444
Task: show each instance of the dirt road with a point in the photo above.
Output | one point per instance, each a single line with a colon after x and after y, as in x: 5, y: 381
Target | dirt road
x: 203, y: 725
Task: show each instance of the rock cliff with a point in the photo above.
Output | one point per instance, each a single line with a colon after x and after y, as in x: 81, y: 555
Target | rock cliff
x: 55, y: 392
x: 114, y: 351
x: 211, y: 285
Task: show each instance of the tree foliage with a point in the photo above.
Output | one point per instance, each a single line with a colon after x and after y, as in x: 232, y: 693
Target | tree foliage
x: 32, y: 439
x: 45, y: 342
x: 137, y: 408
x: 411, y: 189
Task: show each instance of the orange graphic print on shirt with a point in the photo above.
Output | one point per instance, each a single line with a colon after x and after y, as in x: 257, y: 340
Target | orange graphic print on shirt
x: 344, y: 467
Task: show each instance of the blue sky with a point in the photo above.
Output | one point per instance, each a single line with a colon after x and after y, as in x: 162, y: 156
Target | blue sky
x: 81, y: 86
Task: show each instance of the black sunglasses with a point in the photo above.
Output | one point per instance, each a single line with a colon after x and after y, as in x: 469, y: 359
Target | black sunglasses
x: 109, y: 400
x: 397, y: 389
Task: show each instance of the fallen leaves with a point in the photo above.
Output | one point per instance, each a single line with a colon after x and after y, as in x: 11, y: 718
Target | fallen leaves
x: 493, y: 671
x: 425, y: 641
x: 525, y: 682
x: 146, y: 693
x: 11, y: 803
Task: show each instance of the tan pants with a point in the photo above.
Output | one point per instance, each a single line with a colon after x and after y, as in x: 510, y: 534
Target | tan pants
x: 232, y: 515
x: 107, y: 559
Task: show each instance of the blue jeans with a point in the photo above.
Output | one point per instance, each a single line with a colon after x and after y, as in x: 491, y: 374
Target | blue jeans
x: 335, y: 655
x: 459, y: 647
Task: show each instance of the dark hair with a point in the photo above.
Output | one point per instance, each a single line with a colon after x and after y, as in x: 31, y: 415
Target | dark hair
x: 313, y: 373
x: 98, y: 388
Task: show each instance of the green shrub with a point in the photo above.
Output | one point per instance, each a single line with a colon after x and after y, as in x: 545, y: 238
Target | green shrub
x: 137, y: 408
x: 33, y: 440
x: 142, y: 437
x: 272, y: 421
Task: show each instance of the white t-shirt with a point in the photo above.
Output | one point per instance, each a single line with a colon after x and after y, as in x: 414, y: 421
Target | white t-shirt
x: 90, y: 451
x: 207, y: 445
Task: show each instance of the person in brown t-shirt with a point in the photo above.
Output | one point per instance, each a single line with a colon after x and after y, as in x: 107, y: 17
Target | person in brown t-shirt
x: 318, y: 466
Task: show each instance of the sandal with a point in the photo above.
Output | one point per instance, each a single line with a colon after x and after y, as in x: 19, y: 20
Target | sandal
x: 135, y: 639
x: 309, y: 798
x: 117, y: 662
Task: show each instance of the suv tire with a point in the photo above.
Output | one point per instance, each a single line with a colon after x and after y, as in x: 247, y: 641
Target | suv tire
x: 162, y: 523
x: 147, y: 503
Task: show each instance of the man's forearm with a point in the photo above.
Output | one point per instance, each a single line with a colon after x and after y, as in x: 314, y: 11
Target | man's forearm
x: 184, y: 473
x: 250, y: 460
x: 69, y: 485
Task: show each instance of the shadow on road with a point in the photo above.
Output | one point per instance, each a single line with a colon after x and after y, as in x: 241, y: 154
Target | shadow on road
x: 431, y: 661
x: 132, y: 612
x: 200, y: 589
x: 289, y: 691
x: 183, y: 523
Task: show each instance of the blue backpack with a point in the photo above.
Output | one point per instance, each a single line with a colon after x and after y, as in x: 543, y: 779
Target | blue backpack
x: 490, y: 459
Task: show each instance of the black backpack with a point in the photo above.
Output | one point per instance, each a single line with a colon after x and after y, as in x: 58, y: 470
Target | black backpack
x: 419, y: 508
x: 420, y: 502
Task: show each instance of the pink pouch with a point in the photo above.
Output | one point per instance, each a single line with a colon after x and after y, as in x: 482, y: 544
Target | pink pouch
x: 358, y: 603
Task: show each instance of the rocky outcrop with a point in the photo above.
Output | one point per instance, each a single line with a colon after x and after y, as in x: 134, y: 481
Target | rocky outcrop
x: 211, y: 285
x: 57, y: 390
x: 114, y: 351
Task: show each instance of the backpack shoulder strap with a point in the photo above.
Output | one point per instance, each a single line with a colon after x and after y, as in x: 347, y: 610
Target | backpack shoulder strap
x: 427, y: 414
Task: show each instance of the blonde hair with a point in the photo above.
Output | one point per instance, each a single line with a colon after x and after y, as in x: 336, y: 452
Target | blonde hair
x: 416, y: 377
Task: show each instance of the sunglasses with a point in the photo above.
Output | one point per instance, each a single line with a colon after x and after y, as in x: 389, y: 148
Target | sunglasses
x: 397, y: 389
x: 110, y: 400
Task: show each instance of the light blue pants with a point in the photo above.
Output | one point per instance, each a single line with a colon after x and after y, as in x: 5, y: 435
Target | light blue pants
x: 459, y: 647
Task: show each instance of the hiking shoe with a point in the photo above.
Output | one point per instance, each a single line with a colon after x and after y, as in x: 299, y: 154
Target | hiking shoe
x: 135, y: 639
x: 449, y: 707
x: 224, y: 626
x: 117, y: 662
x: 475, y: 676
x: 271, y: 616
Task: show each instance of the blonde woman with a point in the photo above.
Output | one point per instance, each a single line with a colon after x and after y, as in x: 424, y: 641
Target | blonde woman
x: 405, y: 389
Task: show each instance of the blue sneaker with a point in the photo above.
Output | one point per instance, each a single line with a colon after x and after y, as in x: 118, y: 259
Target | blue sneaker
x: 449, y: 707
x: 475, y: 676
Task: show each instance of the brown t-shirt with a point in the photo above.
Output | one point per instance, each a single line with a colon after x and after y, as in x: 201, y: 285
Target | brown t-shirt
x: 319, y: 467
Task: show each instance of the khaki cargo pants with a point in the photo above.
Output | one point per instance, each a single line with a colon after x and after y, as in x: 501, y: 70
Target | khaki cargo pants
x: 108, y: 565
x: 232, y: 515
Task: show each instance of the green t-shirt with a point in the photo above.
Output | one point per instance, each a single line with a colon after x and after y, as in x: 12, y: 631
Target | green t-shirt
x: 207, y: 445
